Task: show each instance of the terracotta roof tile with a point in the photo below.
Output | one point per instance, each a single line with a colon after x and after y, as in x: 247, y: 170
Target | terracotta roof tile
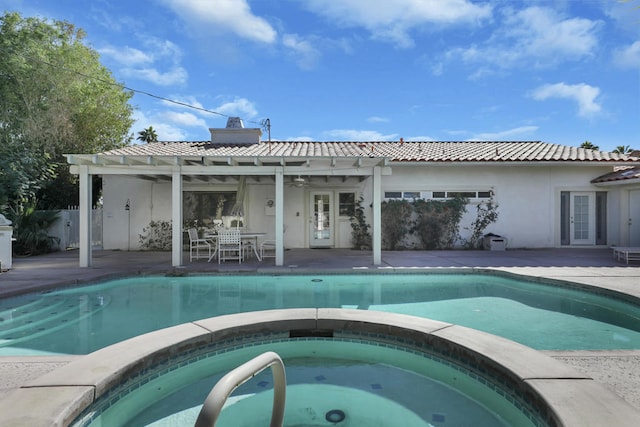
x: 620, y: 174
x: 407, y: 151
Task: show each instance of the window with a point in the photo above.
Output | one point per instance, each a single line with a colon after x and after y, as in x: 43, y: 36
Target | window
x: 346, y: 204
x: 437, y: 194
x: 468, y: 194
x: 207, y: 206
x: 464, y: 193
x: 411, y: 195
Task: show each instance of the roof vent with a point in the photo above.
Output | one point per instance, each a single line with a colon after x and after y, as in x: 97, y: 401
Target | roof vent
x: 235, y: 133
x: 234, y: 123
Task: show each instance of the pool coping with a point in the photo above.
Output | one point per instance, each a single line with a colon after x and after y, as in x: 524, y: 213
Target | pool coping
x: 58, y: 397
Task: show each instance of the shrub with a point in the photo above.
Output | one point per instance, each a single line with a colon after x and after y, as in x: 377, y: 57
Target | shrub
x: 31, y: 229
x: 156, y: 236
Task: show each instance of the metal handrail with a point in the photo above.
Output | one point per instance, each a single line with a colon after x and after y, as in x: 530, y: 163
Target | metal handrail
x: 222, y: 390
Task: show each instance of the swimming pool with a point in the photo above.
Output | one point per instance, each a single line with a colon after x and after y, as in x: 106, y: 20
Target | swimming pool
x: 543, y: 316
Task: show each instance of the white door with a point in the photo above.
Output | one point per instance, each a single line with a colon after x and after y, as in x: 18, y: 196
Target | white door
x: 634, y: 218
x: 321, y: 220
x: 582, y: 219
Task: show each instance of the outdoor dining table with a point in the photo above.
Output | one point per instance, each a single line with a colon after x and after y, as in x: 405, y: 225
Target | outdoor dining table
x: 245, y: 236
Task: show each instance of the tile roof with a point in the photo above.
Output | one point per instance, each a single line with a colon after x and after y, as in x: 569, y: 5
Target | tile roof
x: 407, y: 151
x: 622, y: 173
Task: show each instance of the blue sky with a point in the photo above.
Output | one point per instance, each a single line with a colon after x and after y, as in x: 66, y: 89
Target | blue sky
x: 560, y: 71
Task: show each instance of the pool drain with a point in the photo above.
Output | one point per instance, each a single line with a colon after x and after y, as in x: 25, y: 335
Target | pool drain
x: 335, y: 416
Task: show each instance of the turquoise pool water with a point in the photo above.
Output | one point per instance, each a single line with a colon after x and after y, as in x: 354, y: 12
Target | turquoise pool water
x: 82, y: 319
x: 373, y: 385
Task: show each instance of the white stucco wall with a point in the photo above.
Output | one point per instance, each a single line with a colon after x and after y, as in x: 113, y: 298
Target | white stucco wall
x: 148, y: 201
x: 528, y: 198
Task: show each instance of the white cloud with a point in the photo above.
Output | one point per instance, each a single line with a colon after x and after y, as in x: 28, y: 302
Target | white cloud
x: 629, y: 56
x: 165, y: 131
x: 624, y: 14
x: 307, y: 55
x: 583, y: 94
x: 377, y: 119
x: 228, y: 15
x: 176, y: 76
x: 542, y: 32
x: 358, y: 135
x: 126, y: 55
x: 241, y: 107
x: 183, y: 119
x: 505, y: 135
x: 419, y: 138
x: 147, y: 64
x: 535, y: 36
x: 393, y: 21
x: 168, y: 132
x: 188, y: 100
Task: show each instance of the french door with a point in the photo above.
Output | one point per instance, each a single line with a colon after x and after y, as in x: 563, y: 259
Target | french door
x: 321, y: 219
x: 582, y: 222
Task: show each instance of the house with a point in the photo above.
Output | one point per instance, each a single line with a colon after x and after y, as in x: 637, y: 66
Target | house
x: 302, y: 193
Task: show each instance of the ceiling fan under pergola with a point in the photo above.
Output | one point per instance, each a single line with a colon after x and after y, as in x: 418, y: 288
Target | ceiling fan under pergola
x: 299, y: 182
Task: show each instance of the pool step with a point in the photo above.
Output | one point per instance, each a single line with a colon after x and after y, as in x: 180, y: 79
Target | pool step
x: 48, y: 319
x: 12, y: 318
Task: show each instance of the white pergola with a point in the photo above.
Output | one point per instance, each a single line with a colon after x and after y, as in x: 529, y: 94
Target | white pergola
x: 178, y: 169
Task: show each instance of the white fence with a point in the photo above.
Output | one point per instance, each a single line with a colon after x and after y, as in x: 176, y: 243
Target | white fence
x: 67, y: 228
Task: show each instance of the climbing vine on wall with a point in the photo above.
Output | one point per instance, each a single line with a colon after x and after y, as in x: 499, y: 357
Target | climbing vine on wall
x: 396, y: 223
x: 360, y: 229
x: 437, y: 222
x: 486, y: 214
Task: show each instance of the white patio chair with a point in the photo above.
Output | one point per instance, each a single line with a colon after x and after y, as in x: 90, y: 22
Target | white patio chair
x: 229, y: 246
x: 268, y: 249
x: 196, y: 244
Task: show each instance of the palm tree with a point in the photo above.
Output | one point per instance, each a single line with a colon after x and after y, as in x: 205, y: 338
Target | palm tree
x: 622, y: 149
x: 148, y: 135
x: 588, y: 145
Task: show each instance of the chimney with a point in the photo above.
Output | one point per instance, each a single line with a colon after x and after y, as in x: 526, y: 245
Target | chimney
x: 235, y: 133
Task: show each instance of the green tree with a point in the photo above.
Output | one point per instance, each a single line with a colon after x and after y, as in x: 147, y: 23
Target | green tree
x: 56, y: 98
x: 21, y: 174
x: 588, y: 145
x: 148, y: 135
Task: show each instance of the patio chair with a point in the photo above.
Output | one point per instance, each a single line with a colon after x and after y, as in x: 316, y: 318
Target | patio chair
x: 229, y: 246
x: 196, y: 244
x: 268, y: 249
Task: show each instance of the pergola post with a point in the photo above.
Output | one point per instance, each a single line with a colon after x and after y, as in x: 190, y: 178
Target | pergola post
x: 176, y: 217
x: 279, y: 217
x: 85, y: 216
x: 377, y: 212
